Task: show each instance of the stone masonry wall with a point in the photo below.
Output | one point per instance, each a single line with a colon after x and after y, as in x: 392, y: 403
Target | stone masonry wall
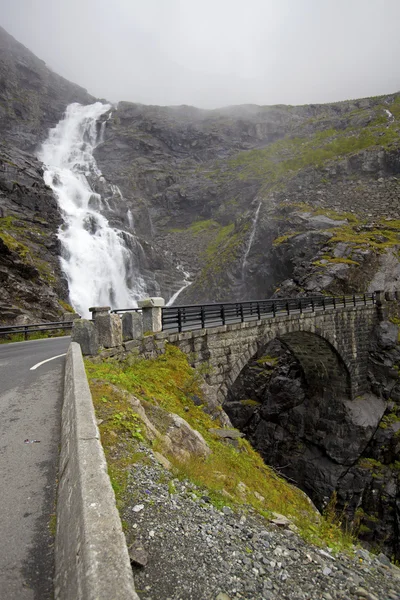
x: 331, y: 345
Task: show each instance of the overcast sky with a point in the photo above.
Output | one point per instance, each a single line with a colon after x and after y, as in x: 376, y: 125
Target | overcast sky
x: 212, y: 53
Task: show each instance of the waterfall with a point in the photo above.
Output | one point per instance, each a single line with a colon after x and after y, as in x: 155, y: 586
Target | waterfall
x: 101, y: 270
x: 251, y: 239
x: 186, y: 284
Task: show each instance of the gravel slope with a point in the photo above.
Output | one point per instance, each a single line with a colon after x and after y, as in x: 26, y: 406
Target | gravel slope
x: 193, y: 551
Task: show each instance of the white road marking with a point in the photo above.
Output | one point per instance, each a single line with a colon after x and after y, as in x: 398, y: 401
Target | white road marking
x: 45, y: 361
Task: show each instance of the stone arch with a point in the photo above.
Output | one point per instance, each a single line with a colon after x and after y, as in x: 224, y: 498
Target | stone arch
x: 323, y: 364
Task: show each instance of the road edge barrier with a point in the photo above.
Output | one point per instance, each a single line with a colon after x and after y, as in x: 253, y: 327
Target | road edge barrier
x: 91, y: 555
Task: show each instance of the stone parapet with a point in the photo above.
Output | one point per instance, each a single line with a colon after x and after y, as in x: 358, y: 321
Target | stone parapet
x: 91, y: 556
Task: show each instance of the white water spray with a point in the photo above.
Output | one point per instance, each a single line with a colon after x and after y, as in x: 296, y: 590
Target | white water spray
x: 251, y: 239
x: 389, y: 114
x: 95, y: 257
x: 186, y: 283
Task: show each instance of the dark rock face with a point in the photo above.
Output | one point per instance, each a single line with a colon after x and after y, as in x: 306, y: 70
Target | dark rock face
x: 30, y: 275
x: 326, y: 443
x: 32, y: 97
x: 32, y: 100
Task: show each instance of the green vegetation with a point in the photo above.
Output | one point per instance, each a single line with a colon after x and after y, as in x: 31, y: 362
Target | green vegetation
x: 284, y: 238
x: 284, y: 158
x: 67, y: 307
x: 250, y: 402
x: 35, y: 335
x: 389, y: 419
x: 18, y: 239
x: 360, y: 236
x: 199, y: 227
x: 168, y: 382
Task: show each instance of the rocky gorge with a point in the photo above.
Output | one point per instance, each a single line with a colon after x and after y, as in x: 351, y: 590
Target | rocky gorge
x: 242, y: 202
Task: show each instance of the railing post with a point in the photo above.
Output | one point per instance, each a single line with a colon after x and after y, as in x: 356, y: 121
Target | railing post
x: 344, y: 301
x: 179, y: 319
x: 301, y: 305
x: 151, y: 311
x: 287, y: 308
x: 323, y: 302
x: 241, y: 313
x: 202, y: 318
x: 258, y: 311
x: 273, y: 308
x: 223, y: 314
x: 312, y: 304
x: 25, y: 332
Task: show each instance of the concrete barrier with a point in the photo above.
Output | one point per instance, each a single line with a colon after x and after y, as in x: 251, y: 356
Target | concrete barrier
x: 91, y: 555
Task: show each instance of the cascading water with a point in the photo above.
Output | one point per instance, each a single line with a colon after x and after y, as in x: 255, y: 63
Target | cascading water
x: 251, y: 239
x: 95, y: 257
x: 186, y: 283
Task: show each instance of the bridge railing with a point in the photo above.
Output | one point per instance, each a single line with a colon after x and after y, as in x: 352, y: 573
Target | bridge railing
x: 189, y: 318
x: 25, y: 330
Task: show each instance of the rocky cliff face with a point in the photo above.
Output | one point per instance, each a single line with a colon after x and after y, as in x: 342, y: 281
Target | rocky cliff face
x: 332, y: 447
x: 32, y: 284
x: 32, y: 97
x: 324, y: 177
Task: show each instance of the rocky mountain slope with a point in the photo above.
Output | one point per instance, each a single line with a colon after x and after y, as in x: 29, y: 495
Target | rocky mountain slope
x: 321, y: 179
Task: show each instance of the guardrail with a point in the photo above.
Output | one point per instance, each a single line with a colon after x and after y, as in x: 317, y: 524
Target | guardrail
x: 189, y: 318
x: 35, y: 327
x: 122, y: 310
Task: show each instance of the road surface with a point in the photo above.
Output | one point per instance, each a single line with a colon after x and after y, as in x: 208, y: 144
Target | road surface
x: 30, y: 409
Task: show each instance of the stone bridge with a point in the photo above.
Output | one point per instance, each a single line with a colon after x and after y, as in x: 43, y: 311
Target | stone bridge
x: 331, y: 344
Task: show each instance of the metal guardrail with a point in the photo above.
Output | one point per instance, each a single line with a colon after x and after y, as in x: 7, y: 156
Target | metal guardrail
x: 189, y: 318
x: 35, y: 327
x: 122, y: 310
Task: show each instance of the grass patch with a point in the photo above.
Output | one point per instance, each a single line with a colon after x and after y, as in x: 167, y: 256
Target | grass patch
x: 169, y: 382
x: 35, y: 335
x: 284, y: 238
x: 284, y: 158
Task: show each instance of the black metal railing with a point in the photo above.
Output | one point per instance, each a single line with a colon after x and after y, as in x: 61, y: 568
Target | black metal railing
x: 189, y: 318
x: 9, y: 330
x: 122, y: 310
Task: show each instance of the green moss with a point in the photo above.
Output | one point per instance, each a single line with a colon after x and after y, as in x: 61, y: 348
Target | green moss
x: 67, y: 307
x: 286, y: 157
x: 17, y: 238
x: 371, y: 464
x: 168, y: 382
x: 284, y: 238
x: 53, y: 524
x: 332, y: 260
x: 364, y: 237
x: 272, y: 360
x: 250, y: 402
x: 198, y: 227
x: 389, y: 419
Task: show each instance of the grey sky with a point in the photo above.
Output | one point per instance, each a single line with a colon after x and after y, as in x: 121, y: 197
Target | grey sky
x: 213, y: 53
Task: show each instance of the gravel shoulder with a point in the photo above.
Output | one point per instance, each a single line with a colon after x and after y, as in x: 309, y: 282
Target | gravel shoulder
x: 190, y: 550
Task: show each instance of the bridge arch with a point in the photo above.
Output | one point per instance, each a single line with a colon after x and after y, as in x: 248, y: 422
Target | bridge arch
x: 324, y: 366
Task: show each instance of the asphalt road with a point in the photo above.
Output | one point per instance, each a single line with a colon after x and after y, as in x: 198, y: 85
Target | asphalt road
x: 30, y: 409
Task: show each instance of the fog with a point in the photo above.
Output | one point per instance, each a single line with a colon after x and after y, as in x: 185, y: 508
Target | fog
x: 212, y: 53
